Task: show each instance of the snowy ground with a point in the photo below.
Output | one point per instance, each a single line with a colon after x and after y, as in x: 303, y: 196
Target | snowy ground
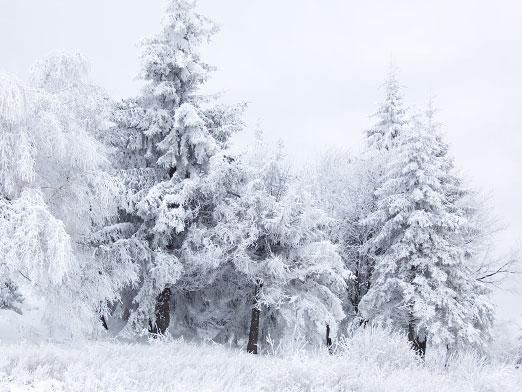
x: 180, y: 366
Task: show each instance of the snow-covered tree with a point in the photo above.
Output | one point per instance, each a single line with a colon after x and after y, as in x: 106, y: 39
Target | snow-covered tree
x: 391, y: 116
x: 17, y: 159
x: 344, y: 186
x: 422, y: 280
x: 33, y: 244
x: 55, y: 190
x: 273, y: 240
x: 164, y: 141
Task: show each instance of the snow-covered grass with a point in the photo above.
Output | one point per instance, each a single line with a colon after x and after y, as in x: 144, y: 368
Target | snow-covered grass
x: 371, y: 361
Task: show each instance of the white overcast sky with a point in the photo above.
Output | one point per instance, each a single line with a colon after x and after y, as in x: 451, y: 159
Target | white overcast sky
x: 311, y: 70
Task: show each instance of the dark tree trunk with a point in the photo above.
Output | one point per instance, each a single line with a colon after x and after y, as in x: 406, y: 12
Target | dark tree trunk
x: 422, y: 347
x: 162, y: 313
x: 104, y: 322
x: 418, y: 344
x: 448, y: 356
x: 362, y: 281
x: 356, y: 292
x: 328, y: 338
x: 254, y: 331
x: 253, y: 335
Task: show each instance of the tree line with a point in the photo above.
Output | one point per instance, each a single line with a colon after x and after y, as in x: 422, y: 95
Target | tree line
x: 136, y: 216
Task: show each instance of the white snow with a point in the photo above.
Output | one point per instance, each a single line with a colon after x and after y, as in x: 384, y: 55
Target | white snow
x: 371, y: 361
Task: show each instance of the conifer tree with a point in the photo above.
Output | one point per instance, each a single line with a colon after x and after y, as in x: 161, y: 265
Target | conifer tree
x: 274, y: 240
x: 164, y: 141
x: 422, y: 281
x: 391, y: 116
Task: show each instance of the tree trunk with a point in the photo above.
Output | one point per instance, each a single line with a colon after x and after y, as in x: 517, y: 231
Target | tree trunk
x: 254, y: 322
x: 356, y: 292
x: 162, y: 313
x: 328, y: 338
x: 418, y: 344
x: 104, y: 322
x: 422, y: 346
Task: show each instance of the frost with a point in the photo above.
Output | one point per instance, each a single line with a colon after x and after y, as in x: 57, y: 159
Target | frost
x: 371, y: 360
x: 13, y: 105
x: 422, y: 269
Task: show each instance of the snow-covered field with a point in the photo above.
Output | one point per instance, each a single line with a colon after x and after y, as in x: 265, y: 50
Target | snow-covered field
x: 367, y: 363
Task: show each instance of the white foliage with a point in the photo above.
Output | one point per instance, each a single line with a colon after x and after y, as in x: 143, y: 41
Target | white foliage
x: 344, y: 186
x: 167, y: 269
x: 60, y: 71
x: 165, y: 140
x: 17, y: 152
x: 189, y: 144
x: 38, y: 244
x: 273, y: 236
x: 391, y: 116
x: 55, y: 189
x: 422, y: 277
x: 13, y: 105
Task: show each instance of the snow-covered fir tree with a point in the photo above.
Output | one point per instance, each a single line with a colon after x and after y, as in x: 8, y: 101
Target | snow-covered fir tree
x: 370, y: 170
x: 164, y: 141
x: 273, y: 240
x: 422, y: 280
x: 391, y: 116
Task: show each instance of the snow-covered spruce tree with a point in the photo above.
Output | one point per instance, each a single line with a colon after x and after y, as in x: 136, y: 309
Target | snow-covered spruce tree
x: 274, y: 240
x: 55, y: 191
x: 391, y: 116
x: 164, y: 141
x: 422, y: 281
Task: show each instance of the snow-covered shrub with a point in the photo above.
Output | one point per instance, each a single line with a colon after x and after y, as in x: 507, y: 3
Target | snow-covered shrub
x: 382, y: 346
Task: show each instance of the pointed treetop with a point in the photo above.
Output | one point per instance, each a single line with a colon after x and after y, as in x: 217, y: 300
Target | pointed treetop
x: 391, y: 116
x: 430, y: 112
x: 173, y: 55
